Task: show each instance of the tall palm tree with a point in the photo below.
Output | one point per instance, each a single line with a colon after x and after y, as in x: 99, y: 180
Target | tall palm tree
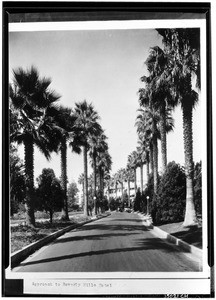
x: 144, y: 148
x: 160, y: 97
x: 183, y: 48
x: 128, y: 177
x: 87, y: 123
x: 97, y: 144
x: 147, y: 122
x: 31, y: 97
x: 132, y: 164
x: 141, y: 162
x: 104, y: 163
x: 65, y: 120
x: 108, y: 183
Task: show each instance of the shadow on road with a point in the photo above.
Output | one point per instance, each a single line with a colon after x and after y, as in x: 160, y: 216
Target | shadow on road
x: 128, y: 220
x: 145, y: 244
x: 91, y: 237
x: 113, y: 227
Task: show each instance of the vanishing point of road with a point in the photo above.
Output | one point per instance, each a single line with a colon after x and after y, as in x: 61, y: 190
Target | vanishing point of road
x: 117, y: 243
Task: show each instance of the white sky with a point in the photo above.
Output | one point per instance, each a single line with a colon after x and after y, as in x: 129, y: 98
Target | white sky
x: 104, y: 67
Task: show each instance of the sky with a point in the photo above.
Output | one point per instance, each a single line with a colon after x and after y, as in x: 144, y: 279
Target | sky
x: 104, y: 67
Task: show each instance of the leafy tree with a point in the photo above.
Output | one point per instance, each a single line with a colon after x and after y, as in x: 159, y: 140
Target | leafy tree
x: 49, y: 192
x: 170, y: 203
x: 30, y: 100
x: 72, y: 194
x: 17, y: 181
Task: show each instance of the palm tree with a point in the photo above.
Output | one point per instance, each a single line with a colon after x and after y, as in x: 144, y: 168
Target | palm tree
x: 65, y: 120
x: 132, y: 164
x: 147, y: 122
x: 128, y: 177
x: 183, y: 48
x: 97, y: 144
x: 104, y: 163
x: 160, y: 97
x: 144, y: 149
x: 31, y: 97
x: 87, y: 123
x: 141, y: 162
x: 108, y: 183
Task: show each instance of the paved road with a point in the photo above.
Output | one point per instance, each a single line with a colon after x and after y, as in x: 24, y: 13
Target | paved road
x: 119, y: 242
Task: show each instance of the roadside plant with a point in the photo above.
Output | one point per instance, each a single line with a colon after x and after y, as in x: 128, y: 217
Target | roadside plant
x: 169, y: 206
x: 49, y: 193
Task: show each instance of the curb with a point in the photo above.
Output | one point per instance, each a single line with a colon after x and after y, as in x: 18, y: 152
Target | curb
x: 172, y: 239
x: 22, y: 254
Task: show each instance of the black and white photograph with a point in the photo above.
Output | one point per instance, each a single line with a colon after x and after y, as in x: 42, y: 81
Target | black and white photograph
x: 108, y: 190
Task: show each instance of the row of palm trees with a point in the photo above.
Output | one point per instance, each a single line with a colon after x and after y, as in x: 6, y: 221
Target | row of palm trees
x: 37, y: 120
x: 168, y: 84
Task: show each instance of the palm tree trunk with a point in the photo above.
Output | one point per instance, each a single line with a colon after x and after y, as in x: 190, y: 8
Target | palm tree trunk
x: 102, y: 183
x: 155, y: 165
x: 163, y: 139
x: 94, y: 183
x: 122, y: 191
x: 85, y: 181
x: 151, y: 158
x: 116, y: 190
x: 141, y: 177
x: 190, y: 213
x: 64, y: 213
x: 135, y: 182
x: 29, y: 173
x: 147, y: 166
x: 128, y: 192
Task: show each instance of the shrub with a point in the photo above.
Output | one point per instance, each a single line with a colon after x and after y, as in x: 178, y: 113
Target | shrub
x: 169, y: 205
x: 149, y: 192
x: 138, y: 201
x: 112, y: 204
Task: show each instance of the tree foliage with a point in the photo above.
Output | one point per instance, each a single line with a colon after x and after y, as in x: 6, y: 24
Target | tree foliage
x: 170, y: 203
x: 49, y: 192
x: 17, y: 181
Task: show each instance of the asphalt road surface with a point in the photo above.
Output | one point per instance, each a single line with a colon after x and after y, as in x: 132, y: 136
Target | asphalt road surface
x: 119, y: 242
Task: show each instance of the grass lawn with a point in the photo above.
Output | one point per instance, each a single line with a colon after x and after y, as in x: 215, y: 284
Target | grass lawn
x: 22, y: 235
